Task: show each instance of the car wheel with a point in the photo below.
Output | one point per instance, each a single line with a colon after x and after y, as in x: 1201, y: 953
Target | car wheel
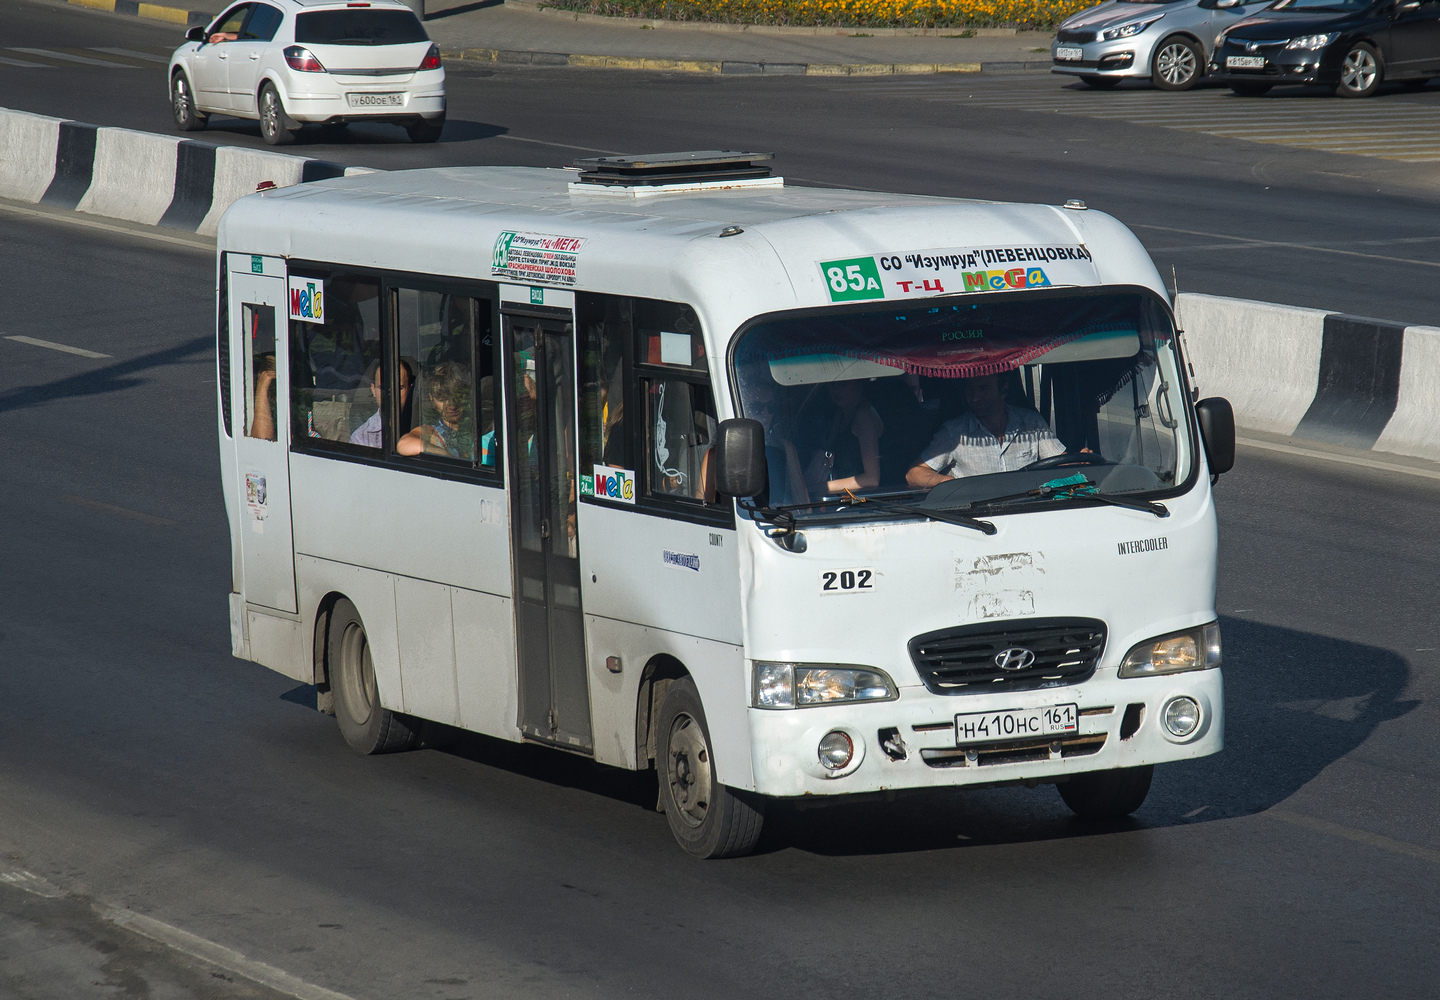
x: 1250, y: 89
x: 276, y: 127
x: 708, y: 819
x: 182, y: 105
x: 1178, y: 64
x: 1107, y: 794
x: 1360, y: 71
x: 426, y: 129
x: 1100, y: 82
x: 366, y: 725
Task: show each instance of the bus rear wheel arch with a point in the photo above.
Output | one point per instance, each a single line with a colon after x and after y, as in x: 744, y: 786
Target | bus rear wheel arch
x: 367, y: 725
x: 707, y: 818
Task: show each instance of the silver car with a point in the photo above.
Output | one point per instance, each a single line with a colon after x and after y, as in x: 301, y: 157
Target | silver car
x: 1169, y: 41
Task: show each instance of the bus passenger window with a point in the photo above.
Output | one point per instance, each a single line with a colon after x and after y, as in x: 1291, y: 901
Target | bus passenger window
x: 604, y: 322
x: 452, y: 412
x: 680, y: 429
x: 259, y: 325
x: 334, y: 362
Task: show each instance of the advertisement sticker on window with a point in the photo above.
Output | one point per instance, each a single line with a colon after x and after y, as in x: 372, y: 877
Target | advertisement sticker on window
x: 307, y: 299
x: 535, y: 258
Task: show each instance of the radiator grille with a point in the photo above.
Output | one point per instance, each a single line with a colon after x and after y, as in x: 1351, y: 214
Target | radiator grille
x: 1074, y: 36
x: 963, y: 660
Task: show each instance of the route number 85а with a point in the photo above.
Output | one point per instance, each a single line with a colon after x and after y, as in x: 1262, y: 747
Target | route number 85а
x: 847, y: 581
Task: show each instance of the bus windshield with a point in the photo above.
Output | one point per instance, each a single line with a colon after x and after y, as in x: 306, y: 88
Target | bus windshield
x: 968, y: 403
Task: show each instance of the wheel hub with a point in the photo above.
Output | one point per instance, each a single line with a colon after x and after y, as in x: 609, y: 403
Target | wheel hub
x: 688, y: 770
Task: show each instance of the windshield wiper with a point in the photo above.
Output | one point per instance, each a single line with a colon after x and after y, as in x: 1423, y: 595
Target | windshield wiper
x: 1075, y: 488
x: 934, y: 515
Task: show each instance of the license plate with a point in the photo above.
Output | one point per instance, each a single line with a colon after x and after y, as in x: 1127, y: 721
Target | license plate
x: 1244, y: 62
x: 1069, y: 55
x: 376, y: 100
x: 1016, y: 724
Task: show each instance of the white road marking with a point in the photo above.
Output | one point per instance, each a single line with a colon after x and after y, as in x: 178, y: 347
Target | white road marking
x: 36, y: 342
x: 22, y: 64
x: 130, y: 53
x: 1325, y: 456
x: 1243, y: 242
x: 200, y: 243
x: 1350, y: 833
x: 30, y: 882
x: 111, y: 508
x: 67, y: 57
x: 1194, y: 812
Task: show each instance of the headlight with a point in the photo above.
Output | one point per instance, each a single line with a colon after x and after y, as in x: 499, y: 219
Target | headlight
x: 1313, y: 41
x: 800, y: 685
x: 1127, y: 30
x: 1193, y: 649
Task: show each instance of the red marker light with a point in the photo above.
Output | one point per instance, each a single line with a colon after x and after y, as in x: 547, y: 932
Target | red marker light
x: 298, y: 57
x: 432, y: 58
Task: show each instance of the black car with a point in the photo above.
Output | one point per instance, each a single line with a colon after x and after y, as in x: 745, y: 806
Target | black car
x: 1348, y: 45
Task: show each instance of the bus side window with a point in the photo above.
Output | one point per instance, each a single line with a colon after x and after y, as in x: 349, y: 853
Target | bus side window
x: 450, y: 414
x: 259, y: 333
x: 680, y: 418
x: 332, y: 364
x: 604, y: 322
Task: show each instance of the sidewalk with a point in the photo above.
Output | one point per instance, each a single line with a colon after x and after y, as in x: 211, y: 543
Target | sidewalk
x: 524, y: 33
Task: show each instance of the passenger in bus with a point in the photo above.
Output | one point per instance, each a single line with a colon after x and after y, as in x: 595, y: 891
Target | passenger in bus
x: 763, y: 403
x: 368, y: 434
x: 452, y: 431
x: 262, y: 422
x: 847, y: 456
x: 994, y: 436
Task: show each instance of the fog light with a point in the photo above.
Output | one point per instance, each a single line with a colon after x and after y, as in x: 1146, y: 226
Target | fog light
x: 1182, y: 715
x: 836, y: 750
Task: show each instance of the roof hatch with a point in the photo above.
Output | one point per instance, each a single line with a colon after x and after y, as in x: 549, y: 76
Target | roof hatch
x: 654, y: 173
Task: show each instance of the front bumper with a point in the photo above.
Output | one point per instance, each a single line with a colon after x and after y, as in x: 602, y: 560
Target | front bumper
x: 1120, y: 57
x: 786, y: 763
x: 317, y: 109
x: 1282, y: 66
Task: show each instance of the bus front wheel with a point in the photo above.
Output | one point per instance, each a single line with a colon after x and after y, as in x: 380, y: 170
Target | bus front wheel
x: 1107, y: 794
x: 707, y: 818
x: 366, y: 725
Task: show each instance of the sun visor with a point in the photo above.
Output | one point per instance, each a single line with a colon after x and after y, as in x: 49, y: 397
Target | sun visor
x: 1093, y: 347
x: 808, y: 369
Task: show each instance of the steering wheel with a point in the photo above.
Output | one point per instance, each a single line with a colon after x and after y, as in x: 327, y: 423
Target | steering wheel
x: 1068, y: 459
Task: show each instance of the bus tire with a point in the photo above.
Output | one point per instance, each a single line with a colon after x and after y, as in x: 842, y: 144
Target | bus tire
x: 366, y: 725
x: 1107, y: 794
x: 708, y: 819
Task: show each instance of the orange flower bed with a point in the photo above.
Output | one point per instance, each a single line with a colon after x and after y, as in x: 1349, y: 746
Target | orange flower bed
x: 846, y: 13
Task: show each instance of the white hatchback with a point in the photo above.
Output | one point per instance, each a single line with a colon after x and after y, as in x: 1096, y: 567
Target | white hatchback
x: 296, y: 62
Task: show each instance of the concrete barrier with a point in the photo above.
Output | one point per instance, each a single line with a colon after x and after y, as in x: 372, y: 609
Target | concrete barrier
x: 158, y: 180
x: 1364, y: 383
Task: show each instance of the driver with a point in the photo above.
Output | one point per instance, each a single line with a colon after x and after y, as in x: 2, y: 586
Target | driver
x: 992, y: 437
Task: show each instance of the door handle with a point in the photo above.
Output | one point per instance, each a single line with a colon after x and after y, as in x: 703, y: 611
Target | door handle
x: 254, y: 55
x: 545, y: 528
x: 221, y: 55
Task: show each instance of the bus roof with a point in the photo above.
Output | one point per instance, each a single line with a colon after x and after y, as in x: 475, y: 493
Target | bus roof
x: 781, y: 249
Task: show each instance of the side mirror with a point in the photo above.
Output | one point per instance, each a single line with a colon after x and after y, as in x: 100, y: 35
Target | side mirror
x: 740, y: 466
x: 195, y: 34
x: 1227, y: 4
x: 1217, y: 432
x: 1406, y: 6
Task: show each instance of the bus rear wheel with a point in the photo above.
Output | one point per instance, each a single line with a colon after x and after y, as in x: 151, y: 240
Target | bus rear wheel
x: 1107, y: 794
x: 708, y: 819
x: 366, y: 725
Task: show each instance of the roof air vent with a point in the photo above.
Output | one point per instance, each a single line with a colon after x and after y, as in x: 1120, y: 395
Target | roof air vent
x: 653, y: 173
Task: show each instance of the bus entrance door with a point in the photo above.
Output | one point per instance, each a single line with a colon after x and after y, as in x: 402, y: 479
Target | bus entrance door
x: 258, y: 323
x: 554, y: 692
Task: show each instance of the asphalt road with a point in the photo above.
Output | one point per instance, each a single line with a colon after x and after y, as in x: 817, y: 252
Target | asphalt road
x: 1231, y: 217
x: 142, y: 767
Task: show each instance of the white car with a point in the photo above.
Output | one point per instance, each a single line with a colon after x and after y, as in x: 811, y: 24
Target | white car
x: 300, y: 62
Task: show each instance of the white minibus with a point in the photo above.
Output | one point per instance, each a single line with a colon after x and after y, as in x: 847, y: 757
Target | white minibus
x: 779, y: 491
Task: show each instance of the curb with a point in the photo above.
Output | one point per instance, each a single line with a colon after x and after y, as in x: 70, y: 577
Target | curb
x: 1353, y: 381
x: 150, y: 11
x: 520, y: 57
x: 155, y: 180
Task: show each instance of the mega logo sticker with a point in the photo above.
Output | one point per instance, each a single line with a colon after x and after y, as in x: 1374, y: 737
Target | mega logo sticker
x: 307, y: 299
x: 962, y: 269
x: 535, y: 258
x: 614, y: 484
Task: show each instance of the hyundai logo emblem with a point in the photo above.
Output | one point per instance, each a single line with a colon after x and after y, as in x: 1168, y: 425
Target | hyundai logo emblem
x: 1014, y: 658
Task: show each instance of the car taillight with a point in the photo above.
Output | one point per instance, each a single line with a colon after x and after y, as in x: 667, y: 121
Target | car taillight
x: 300, y: 58
x: 432, y: 58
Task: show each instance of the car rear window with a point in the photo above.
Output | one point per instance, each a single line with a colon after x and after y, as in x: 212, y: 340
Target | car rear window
x: 359, y: 27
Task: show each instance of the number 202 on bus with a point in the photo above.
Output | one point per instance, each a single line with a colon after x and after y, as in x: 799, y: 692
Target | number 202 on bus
x: 847, y: 581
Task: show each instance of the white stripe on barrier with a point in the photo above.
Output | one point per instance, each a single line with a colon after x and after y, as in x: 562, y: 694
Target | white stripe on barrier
x: 237, y: 173
x: 1415, y: 427
x: 1264, y: 358
x: 133, y: 178
x: 27, y: 154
